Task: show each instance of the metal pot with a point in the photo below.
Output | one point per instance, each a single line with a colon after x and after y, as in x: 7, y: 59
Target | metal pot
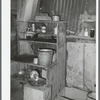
x: 45, y: 56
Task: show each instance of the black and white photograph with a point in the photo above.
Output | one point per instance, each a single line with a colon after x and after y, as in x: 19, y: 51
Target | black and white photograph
x: 53, y: 50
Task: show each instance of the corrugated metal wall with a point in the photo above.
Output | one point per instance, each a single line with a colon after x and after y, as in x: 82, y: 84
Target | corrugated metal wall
x: 68, y: 9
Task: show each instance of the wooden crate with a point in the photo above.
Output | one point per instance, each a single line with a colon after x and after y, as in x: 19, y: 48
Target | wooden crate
x: 37, y: 93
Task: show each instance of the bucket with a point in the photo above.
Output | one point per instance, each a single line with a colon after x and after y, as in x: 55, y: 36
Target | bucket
x: 45, y: 56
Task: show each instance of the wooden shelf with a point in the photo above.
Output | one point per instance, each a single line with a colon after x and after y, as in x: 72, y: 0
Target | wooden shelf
x: 37, y: 65
x: 47, y: 21
x: 38, y: 41
x: 81, y: 37
x: 25, y: 80
x: 43, y: 67
x: 44, y: 21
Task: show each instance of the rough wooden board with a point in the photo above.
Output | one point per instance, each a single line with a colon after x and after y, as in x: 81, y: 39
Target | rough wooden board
x: 32, y: 47
x: 37, y: 93
x: 74, y: 75
x: 90, y: 66
x: 52, y: 80
x: 61, y: 56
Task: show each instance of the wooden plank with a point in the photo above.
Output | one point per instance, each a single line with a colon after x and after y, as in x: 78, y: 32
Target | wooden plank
x: 47, y: 21
x: 52, y: 80
x: 38, y: 42
x: 90, y: 66
x: 80, y: 37
x: 74, y: 75
x: 31, y: 47
x: 61, y: 56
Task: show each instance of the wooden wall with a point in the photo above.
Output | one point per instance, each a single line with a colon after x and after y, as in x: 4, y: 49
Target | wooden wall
x: 69, y: 10
x: 74, y: 66
x: 81, y: 65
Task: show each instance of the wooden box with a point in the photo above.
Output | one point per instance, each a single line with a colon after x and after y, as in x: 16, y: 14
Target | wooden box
x: 37, y: 93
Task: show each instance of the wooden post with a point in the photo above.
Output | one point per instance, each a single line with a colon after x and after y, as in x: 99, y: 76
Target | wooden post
x: 61, y: 56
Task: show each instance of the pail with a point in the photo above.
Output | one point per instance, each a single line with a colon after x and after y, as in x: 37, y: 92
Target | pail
x: 45, y: 56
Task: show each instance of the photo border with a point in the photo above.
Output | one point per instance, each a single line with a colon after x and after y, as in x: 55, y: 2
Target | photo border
x: 98, y: 49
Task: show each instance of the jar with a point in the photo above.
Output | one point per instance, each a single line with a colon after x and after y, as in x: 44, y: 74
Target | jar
x: 35, y: 60
x: 55, y: 18
x: 92, y: 33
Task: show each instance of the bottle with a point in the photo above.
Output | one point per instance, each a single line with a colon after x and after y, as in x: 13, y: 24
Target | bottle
x: 33, y: 27
x: 92, y: 33
x: 86, y: 32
